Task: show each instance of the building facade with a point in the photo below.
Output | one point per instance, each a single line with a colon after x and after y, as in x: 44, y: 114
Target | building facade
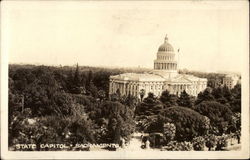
x: 164, y: 77
x: 230, y: 81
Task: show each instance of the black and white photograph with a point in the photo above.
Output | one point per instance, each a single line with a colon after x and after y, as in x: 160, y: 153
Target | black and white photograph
x: 125, y: 79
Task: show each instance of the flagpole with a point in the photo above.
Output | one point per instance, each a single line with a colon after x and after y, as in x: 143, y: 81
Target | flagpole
x: 178, y: 62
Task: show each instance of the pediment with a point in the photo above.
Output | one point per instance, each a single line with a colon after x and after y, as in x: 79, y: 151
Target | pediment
x: 181, y: 79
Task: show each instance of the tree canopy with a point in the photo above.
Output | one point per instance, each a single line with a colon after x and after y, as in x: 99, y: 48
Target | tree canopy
x: 220, y: 115
x: 188, y: 122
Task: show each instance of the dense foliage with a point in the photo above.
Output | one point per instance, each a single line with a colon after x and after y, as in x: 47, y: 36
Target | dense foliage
x: 178, y: 146
x: 220, y: 115
x: 71, y: 105
x: 59, y: 105
x: 198, y: 143
x: 189, y: 123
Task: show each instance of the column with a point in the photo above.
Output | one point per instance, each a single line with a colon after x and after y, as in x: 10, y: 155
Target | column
x: 128, y: 88
x: 110, y: 87
x: 124, y: 89
x: 118, y: 87
x: 115, y: 87
x: 131, y: 88
x: 121, y: 88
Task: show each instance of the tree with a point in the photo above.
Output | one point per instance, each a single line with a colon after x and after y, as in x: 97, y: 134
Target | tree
x: 101, y: 94
x: 227, y: 93
x: 81, y: 131
x: 235, y: 104
x: 204, y: 96
x: 20, y: 79
x: 184, y: 100
x: 189, y: 123
x: 168, y: 99
x: 89, y: 78
x: 142, y: 94
x: 61, y: 104
x: 131, y: 101
x: 153, y: 123
x: 150, y: 106
x: 101, y: 80
x: 169, y: 131
x: 120, y: 121
x: 75, y: 85
x: 70, y: 80
x: 114, y: 97
x: 217, y: 93
x: 220, y: 115
x: 93, y: 90
x: 76, y: 76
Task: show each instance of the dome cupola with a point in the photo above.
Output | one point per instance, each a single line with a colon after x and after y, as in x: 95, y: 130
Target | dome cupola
x: 166, y: 47
x: 166, y: 60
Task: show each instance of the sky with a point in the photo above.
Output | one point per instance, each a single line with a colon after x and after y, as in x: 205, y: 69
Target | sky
x: 212, y: 35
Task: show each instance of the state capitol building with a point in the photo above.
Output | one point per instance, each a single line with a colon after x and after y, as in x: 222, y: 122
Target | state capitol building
x: 164, y: 77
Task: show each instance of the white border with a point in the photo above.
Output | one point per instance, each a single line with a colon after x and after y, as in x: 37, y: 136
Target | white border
x: 5, y: 154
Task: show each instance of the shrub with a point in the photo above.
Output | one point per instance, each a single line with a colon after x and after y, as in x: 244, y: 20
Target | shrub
x: 210, y: 141
x: 169, y: 131
x: 178, y: 146
x: 221, y: 142
x: 198, y: 143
